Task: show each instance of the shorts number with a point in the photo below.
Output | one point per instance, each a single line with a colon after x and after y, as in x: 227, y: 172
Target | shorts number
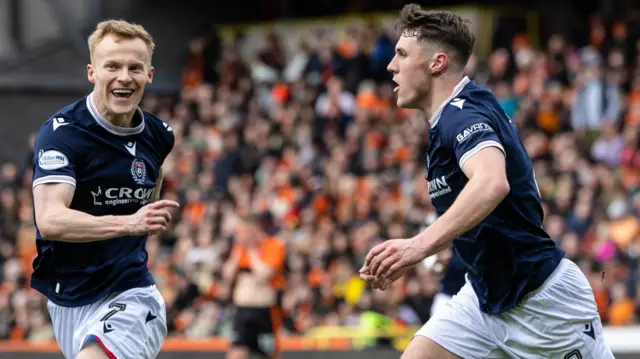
x: 117, y: 307
x: 574, y: 354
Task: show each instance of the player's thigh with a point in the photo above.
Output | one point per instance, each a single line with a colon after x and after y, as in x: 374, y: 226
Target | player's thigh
x: 560, y: 320
x: 439, y: 301
x: 66, y: 322
x: 242, y: 329
x: 575, y: 299
x: 269, y: 323
x: 92, y: 351
x: 459, y: 328
x: 237, y: 352
x: 424, y: 348
x: 131, y: 325
x: 260, y: 327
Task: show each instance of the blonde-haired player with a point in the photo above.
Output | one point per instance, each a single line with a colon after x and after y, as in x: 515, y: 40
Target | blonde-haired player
x: 96, y: 184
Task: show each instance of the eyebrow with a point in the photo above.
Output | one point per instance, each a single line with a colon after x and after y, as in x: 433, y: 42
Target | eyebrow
x: 112, y: 61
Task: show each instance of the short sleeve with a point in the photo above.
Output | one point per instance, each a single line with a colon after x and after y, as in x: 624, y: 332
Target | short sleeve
x: 168, y: 139
x: 171, y: 140
x: 469, y: 133
x: 245, y: 262
x: 274, y: 254
x: 54, y: 157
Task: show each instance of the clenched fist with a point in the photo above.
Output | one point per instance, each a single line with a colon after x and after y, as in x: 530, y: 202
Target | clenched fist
x: 151, y: 219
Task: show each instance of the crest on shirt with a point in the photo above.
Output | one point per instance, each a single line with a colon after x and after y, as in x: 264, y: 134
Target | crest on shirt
x: 138, y: 171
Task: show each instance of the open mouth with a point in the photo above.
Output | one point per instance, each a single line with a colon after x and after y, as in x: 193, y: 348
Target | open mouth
x: 397, y: 87
x: 122, y: 93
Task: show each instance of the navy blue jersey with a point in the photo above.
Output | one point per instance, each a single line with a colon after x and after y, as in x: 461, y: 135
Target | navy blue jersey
x: 508, y: 254
x: 114, y: 171
x: 454, y: 277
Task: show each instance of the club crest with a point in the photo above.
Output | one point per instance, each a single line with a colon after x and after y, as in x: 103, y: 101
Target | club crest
x: 138, y: 171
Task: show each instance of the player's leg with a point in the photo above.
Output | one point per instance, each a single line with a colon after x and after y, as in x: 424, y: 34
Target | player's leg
x: 93, y: 351
x: 584, y: 306
x: 425, y: 348
x: 258, y: 333
x: 440, y: 300
x: 236, y: 351
x: 63, y: 321
x: 560, y: 319
x: 241, y: 335
x: 130, y: 325
x: 269, y: 322
x: 457, y: 330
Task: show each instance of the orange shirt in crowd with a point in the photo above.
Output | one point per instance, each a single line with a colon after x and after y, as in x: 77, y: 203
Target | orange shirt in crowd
x: 272, y: 252
x: 621, y: 312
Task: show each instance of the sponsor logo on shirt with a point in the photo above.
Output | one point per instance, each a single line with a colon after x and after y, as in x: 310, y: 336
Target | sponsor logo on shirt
x: 478, y: 127
x: 52, y: 160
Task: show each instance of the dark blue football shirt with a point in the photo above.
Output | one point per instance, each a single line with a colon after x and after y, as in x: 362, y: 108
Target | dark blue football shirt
x: 508, y: 254
x: 114, y: 171
x: 454, y: 277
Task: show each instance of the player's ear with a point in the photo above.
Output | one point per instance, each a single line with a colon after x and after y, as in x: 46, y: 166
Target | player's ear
x: 152, y: 70
x: 91, y: 74
x: 439, y: 62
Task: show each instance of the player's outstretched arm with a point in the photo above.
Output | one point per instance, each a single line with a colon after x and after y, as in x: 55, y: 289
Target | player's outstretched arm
x: 486, y: 188
x: 56, y: 221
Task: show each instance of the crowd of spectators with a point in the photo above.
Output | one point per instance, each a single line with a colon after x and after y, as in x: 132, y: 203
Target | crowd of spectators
x: 313, y: 139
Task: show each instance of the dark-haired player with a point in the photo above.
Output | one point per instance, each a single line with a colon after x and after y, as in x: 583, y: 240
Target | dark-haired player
x: 522, y: 298
x: 97, y: 172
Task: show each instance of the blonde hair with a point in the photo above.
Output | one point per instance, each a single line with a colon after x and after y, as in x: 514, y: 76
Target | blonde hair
x: 120, y: 29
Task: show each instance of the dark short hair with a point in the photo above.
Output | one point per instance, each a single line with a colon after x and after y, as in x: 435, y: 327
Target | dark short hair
x: 443, y: 28
x: 262, y: 221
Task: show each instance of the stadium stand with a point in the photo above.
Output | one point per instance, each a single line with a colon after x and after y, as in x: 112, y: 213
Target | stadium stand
x: 315, y: 141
